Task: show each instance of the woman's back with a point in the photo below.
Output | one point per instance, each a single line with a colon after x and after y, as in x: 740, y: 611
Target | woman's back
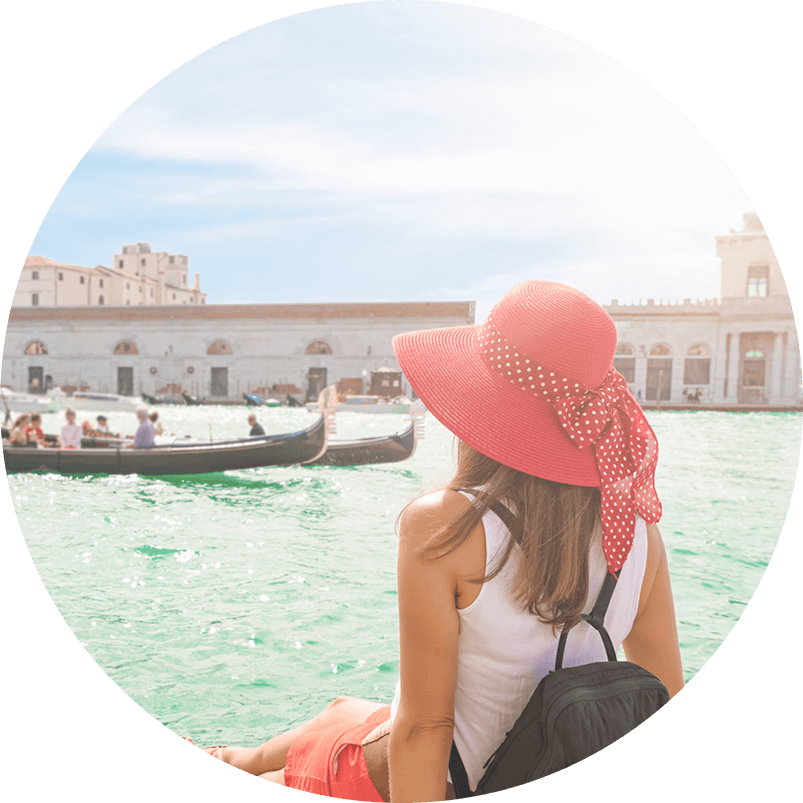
x: 504, y: 651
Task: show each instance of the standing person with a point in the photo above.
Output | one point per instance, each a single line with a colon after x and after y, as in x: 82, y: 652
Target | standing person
x: 71, y: 432
x: 547, y: 427
x: 143, y: 437
x: 256, y: 428
x: 33, y: 432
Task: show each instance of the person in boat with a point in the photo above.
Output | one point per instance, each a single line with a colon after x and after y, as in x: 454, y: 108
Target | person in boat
x: 256, y: 427
x: 71, y: 432
x: 18, y: 435
x: 33, y: 432
x: 143, y: 437
x: 546, y: 426
x: 102, y: 430
x: 158, y: 429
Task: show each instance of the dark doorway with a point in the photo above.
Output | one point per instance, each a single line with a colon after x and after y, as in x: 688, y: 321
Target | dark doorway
x: 219, y: 385
x: 316, y: 382
x: 125, y: 381
x: 755, y: 352
x: 36, y: 379
x: 659, y: 379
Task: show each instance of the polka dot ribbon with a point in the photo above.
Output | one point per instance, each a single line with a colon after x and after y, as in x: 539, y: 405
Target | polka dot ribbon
x: 608, y: 420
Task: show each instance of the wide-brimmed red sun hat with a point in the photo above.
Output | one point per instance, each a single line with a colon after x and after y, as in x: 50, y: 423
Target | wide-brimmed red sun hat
x: 534, y: 388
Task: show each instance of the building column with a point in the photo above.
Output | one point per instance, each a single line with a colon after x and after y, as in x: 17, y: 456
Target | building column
x: 734, y: 380
x: 777, y: 369
x: 791, y: 375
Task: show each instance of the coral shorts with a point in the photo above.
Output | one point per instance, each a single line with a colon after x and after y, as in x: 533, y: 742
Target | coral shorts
x: 330, y: 761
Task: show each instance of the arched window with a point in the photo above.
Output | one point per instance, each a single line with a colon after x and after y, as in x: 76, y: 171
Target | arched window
x: 660, y: 350
x: 36, y: 347
x: 126, y: 347
x: 100, y: 300
x: 755, y: 354
x: 697, y: 367
x: 318, y: 347
x: 220, y: 347
x: 624, y: 362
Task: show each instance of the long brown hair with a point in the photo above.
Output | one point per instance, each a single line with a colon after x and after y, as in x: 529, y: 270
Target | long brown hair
x: 553, y: 523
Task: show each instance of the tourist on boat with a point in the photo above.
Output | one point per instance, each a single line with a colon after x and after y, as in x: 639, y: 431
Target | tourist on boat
x: 548, y: 428
x: 71, y: 432
x: 102, y: 430
x: 33, y: 432
x: 18, y: 435
x: 256, y: 428
x: 143, y: 437
x: 158, y: 429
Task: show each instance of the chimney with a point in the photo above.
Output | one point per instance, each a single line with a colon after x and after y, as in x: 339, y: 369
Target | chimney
x: 197, y: 281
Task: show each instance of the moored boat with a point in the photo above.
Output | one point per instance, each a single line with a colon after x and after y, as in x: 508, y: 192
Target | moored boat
x: 370, y: 451
x: 180, y: 457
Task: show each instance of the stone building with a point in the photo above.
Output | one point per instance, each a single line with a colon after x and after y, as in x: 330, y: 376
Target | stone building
x: 140, y: 277
x: 736, y: 350
x: 218, y: 351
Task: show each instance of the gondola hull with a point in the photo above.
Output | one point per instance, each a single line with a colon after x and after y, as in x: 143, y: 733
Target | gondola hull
x: 370, y: 451
x: 196, y: 458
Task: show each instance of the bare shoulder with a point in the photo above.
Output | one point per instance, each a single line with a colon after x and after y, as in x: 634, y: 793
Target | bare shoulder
x: 430, y: 513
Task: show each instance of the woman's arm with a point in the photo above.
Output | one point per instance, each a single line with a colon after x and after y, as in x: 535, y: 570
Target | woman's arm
x: 653, y: 640
x: 421, y: 736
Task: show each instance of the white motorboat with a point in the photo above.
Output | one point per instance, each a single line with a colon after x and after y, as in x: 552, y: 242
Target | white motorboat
x: 370, y: 404
x: 15, y: 402
x: 102, y: 402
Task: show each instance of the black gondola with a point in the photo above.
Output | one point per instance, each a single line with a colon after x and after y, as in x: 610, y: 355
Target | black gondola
x: 369, y: 451
x: 196, y: 457
x: 191, y: 401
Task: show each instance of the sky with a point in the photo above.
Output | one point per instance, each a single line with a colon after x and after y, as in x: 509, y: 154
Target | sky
x: 404, y: 152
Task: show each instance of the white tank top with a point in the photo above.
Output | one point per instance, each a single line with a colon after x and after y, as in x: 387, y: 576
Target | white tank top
x: 503, y: 652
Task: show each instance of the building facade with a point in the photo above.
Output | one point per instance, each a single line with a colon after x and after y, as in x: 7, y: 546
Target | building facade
x: 215, y: 351
x: 737, y: 350
x: 140, y: 277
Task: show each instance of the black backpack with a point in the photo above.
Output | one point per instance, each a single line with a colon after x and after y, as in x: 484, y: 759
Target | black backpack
x: 573, y: 713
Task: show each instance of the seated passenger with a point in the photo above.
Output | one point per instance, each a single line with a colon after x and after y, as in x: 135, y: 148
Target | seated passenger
x: 33, y: 432
x: 71, y: 432
x: 158, y: 429
x: 256, y: 429
x: 143, y: 437
x: 17, y: 436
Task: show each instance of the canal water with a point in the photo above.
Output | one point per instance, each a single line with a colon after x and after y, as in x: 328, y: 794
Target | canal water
x: 233, y: 606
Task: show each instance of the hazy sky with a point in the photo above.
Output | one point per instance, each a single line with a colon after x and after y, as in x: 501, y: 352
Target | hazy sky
x: 404, y: 151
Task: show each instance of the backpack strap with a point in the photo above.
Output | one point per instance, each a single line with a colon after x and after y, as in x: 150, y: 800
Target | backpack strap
x: 459, y: 775
x: 497, y: 507
x: 595, y: 619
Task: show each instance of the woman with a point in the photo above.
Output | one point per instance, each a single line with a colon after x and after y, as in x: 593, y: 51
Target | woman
x: 17, y: 436
x: 71, y: 433
x: 549, y: 428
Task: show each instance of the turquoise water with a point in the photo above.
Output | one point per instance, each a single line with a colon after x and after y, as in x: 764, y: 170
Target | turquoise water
x: 233, y: 606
